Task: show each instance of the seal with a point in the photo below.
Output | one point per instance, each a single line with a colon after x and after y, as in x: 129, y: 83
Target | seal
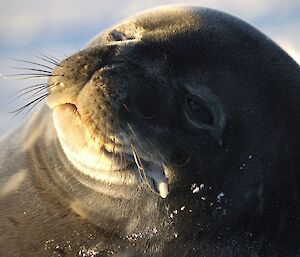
x: 173, y: 133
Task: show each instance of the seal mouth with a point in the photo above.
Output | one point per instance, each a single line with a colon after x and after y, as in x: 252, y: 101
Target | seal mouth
x: 115, y: 160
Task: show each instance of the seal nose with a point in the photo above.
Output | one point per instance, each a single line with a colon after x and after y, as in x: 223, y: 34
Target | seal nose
x: 69, y: 77
x: 92, y: 67
x: 94, y: 85
x: 78, y: 68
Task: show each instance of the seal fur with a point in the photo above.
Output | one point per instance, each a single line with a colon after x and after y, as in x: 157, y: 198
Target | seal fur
x: 174, y: 133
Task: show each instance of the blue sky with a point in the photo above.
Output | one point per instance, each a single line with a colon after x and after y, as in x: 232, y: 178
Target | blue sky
x: 61, y: 27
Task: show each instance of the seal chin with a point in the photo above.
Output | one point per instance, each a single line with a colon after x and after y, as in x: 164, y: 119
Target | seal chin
x: 121, y: 165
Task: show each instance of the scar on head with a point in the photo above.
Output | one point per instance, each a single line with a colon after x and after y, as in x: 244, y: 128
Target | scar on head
x: 125, y: 33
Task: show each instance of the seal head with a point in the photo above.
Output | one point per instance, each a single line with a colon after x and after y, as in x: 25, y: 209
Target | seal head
x: 185, y: 120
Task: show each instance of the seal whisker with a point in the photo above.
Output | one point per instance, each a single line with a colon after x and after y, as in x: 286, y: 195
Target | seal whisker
x: 29, y: 62
x: 126, y: 107
x: 31, y: 74
x: 38, y: 89
x: 135, y: 136
x: 34, y: 103
x: 136, y: 159
x: 50, y: 57
x: 139, y: 166
x: 31, y: 69
x: 141, y: 169
x: 47, y: 60
x: 46, y: 56
x: 32, y: 86
x: 37, y: 101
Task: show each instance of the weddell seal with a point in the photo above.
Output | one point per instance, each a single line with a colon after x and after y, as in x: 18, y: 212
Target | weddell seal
x: 173, y: 133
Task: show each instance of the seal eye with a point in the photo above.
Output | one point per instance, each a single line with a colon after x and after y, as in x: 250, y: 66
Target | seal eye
x: 197, y: 112
x: 200, y: 111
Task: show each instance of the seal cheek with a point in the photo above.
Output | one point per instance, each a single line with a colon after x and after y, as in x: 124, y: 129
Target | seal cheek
x: 85, y: 154
x: 74, y: 138
x: 69, y: 126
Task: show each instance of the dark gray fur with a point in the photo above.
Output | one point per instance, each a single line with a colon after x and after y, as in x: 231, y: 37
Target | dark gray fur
x: 248, y: 161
